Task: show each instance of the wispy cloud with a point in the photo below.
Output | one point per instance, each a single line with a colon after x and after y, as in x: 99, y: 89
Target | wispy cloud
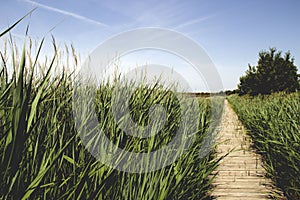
x: 71, y: 14
x: 192, y: 22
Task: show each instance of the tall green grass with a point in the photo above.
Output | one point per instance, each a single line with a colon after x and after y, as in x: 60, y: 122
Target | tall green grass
x: 274, y: 122
x: 42, y: 156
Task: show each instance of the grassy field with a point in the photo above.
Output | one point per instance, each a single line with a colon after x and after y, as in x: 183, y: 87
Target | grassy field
x: 43, y: 157
x: 273, y: 122
x: 45, y: 153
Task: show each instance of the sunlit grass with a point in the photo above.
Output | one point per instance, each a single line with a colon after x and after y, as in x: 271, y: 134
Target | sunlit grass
x: 42, y: 156
x: 274, y: 123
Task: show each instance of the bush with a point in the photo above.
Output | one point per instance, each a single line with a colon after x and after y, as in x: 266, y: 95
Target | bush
x: 273, y: 73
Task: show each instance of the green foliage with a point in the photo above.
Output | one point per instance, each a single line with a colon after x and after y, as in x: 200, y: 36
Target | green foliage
x: 273, y: 73
x: 42, y: 157
x: 230, y: 92
x: 274, y: 122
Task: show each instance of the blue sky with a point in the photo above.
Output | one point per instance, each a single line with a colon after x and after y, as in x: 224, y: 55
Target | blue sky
x: 232, y: 32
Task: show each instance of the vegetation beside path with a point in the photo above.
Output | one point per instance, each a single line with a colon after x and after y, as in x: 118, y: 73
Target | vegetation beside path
x: 42, y: 156
x: 273, y: 122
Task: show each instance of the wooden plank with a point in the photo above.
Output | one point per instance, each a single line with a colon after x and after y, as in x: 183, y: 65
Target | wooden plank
x: 241, y: 174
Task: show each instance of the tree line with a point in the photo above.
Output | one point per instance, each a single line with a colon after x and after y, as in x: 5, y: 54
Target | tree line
x: 274, y: 72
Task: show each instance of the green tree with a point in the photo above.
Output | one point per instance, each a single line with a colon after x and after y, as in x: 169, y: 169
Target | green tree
x: 273, y: 73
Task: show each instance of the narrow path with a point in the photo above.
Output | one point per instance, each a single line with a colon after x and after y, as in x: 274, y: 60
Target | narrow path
x: 240, y: 174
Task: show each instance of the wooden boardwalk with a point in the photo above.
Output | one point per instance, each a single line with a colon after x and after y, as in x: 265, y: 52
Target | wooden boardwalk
x: 240, y: 174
